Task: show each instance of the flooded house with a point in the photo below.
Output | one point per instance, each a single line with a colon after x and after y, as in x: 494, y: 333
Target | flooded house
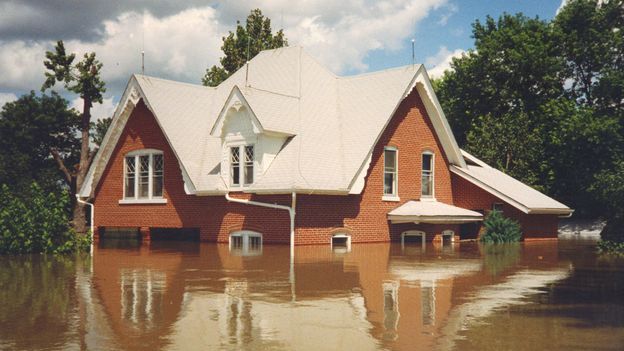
x: 285, y: 151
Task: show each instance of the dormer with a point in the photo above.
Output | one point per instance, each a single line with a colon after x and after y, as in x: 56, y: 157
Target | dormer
x: 247, y: 147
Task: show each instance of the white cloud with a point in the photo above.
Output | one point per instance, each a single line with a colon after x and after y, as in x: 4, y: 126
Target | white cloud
x: 343, y: 42
x: 451, y: 9
x: 6, y: 97
x: 180, y: 46
x: 441, y: 61
x: 98, y: 111
x: 340, y: 34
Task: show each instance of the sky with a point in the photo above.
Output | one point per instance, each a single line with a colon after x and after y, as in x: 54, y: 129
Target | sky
x: 183, y: 38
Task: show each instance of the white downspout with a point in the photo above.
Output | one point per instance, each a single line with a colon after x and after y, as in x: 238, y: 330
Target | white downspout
x: 92, y: 225
x: 290, y: 209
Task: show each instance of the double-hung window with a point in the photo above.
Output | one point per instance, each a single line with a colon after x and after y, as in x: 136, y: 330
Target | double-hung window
x: 242, y: 165
x: 427, y: 174
x: 390, y: 187
x: 143, y: 175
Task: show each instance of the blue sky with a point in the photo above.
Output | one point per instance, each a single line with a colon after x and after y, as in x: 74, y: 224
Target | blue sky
x: 182, y: 38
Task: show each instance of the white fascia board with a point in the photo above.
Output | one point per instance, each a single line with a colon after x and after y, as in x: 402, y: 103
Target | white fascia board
x: 434, y: 219
x: 438, y: 119
x: 462, y: 173
x: 421, y: 82
x: 235, y: 100
x: 130, y: 98
x: 555, y: 211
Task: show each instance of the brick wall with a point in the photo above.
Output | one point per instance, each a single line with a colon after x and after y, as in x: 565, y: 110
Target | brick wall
x: 363, y: 216
x: 470, y: 196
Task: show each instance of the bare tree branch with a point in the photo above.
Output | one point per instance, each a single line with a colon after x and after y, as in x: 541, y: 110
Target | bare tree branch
x: 61, y: 165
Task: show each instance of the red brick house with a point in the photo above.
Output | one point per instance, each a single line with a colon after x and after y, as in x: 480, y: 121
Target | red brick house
x: 284, y: 151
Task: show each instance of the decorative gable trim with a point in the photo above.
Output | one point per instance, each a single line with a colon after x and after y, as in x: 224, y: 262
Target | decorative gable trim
x: 129, y: 100
x: 442, y: 129
x: 235, y: 102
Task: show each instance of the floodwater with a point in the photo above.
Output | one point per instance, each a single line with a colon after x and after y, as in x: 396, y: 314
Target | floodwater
x: 190, y: 296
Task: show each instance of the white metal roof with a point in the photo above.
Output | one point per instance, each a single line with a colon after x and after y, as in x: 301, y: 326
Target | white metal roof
x: 513, y: 191
x: 334, y: 121
x: 432, y: 212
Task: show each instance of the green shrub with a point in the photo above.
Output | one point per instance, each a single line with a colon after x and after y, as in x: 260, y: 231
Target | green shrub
x: 34, y: 222
x: 611, y: 247
x: 500, y: 229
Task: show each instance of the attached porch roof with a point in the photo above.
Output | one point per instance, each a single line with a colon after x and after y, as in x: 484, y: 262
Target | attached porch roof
x: 432, y: 212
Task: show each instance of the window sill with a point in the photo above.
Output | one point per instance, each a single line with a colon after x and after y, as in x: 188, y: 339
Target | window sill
x: 142, y: 201
x: 427, y: 198
x: 392, y: 198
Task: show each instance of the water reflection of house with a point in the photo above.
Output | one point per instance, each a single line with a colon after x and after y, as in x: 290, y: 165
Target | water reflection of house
x: 373, y: 296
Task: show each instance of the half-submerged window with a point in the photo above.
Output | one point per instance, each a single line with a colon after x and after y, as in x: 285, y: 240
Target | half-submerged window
x: 246, y: 243
x: 427, y: 174
x: 242, y: 164
x: 143, y: 175
x: 390, y: 172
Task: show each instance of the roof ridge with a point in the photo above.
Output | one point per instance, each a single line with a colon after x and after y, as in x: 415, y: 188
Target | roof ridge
x: 176, y: 82
x: 415, y: 69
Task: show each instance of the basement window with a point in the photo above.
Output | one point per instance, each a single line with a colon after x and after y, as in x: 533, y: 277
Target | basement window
x: 246, y: 243
x: 341, y: 243
x: 143, y: 177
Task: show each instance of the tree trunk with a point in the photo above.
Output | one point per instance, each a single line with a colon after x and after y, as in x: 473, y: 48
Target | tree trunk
x: 79, y: 222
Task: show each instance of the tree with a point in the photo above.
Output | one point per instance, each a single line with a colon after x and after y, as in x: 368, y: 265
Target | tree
x: 590, y: 35
x: 246, y: 42
x: 609, y: 187
x: 513, y: 69
x: 99, y: 129
x: 82, y: 78
x: 30, y: 127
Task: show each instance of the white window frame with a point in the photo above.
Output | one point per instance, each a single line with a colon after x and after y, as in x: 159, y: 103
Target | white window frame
x: 432, y: 172
x: 241, y: 162
x: 340, y: 236
x: 450, y: 233
x: 420, y: 233
x: 245, y: 249
x: 395, y: 195
x: 151, y: 199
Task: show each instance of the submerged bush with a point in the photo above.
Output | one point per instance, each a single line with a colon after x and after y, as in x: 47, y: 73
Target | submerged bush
x: 35, y: 222
x: 500, y: 229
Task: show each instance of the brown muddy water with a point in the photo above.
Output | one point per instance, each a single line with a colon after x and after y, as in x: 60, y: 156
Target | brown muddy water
x: 190, y: 296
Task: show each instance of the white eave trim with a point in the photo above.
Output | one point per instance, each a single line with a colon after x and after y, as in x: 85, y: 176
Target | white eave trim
x: 440, y: 125
x: 396, y: 219
x: 555, y: 211
x: 462, y: 173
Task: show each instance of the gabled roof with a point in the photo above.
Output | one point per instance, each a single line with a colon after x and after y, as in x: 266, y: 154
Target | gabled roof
x: 333, y: 122
x: 505, y: 187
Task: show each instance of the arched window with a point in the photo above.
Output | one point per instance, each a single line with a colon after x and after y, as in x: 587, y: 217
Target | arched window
x: 246, y: 243
x: 143, y: 176
x: 427, y: 174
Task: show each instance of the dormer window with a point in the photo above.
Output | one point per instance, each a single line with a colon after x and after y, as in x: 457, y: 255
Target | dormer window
x: 242, y: 165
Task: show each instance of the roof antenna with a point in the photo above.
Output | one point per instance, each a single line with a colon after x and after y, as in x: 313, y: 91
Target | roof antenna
x: 143, y: 46
x: 413, y: 54
x: 247, y: 63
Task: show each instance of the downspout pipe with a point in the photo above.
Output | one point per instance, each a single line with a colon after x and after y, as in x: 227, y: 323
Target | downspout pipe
x: 92, y: 225
x: 290, y: 209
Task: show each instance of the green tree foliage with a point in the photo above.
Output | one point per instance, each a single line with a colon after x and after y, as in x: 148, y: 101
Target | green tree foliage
x: 542, y: 100
x: 35, y: 221
x: 590, y: 35
x: 30, y: 128
x: 609, y: 187
x: 99, y: 129
x: 500, y: 229
x: 82, y: 78
x: 245, y: 41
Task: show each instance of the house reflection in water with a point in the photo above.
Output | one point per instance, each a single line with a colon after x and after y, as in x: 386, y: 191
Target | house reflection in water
x: 374, y: 296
